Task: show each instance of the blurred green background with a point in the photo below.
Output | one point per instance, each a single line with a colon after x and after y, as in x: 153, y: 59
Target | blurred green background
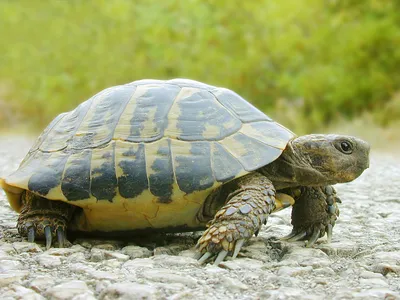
x: 307, y: 63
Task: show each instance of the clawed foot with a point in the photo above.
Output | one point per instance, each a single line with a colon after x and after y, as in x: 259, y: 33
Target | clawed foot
x: 43, y: 228
x: 312, y: 232
x: 223, y: 238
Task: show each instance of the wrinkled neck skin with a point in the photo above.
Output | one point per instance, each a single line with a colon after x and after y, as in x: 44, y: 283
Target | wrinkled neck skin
x: 292, y: 169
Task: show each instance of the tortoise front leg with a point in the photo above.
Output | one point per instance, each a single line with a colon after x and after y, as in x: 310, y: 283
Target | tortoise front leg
x: 42, y: 218
x: 247, y: 207
x: 314, y: 213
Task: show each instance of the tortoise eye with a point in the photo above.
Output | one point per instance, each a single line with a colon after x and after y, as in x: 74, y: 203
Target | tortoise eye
x: 345, y: 147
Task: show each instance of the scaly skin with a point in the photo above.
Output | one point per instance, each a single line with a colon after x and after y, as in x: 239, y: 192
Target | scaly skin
x: 247, y: 208
x: 314, y: 213
x: 42, y: 218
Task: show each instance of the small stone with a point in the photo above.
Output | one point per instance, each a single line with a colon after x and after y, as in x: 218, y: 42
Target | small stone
x: 48, y: 261
x: 373, y: 282
x: 286, y: 292
x: 97, y: 255
x: 65, y: 251
x: 139, y: 263
x: 76, y: 257
x: 116, y: 255
x: 41, y: 283
x: 384, y: 269
x: 129, y: 290
x: 176, y: 261
x: 21, y: 247
x: 233, y: 284
x: 307, y: 257
x: 375, y: 293
x: 136, y: 252
x: 15, y: 276
x: 293, y: 271
x: 252, y: 265
x: 368, y: 274
x: 189, y: 253
x: 112, y: 263
x: 68, y: 290
x: 326, y: 272
x: 102, y: 275
x: 162, y: 251
x: 165, y: 276
x: 10, y: 265
x: 85, y: 296
x: 109, y: 247
x: 21, y: 292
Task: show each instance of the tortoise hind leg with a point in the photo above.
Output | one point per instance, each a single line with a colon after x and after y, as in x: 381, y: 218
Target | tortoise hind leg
x: 44, y: 219
x: 314, y: 213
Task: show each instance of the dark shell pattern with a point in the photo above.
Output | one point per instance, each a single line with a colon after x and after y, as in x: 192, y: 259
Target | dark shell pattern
x: 150, y: 135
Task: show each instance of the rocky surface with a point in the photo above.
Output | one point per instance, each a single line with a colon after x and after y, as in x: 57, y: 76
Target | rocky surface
x: 362, y: 262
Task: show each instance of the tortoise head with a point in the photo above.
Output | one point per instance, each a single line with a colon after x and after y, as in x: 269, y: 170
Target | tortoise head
x: 338, y: 158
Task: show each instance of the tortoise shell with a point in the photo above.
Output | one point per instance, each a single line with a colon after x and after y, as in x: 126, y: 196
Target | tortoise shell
x: 135, y: 154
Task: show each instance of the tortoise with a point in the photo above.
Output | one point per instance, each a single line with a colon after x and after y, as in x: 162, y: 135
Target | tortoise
x: 175, y: 156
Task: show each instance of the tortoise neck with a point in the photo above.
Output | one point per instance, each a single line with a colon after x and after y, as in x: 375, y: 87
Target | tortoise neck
x: 292, y: 169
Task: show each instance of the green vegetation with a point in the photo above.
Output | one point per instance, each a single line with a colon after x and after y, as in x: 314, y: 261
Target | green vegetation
x: 304, y: 62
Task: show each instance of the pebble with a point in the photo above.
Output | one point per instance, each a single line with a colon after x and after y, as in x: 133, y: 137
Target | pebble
x: 173, y: 260
x: 65, y: 251
x: 69, y: 290
x: 136, y: 252
x: 22, y: 247
x: 307, y: 257
x: 14, y: 276
x: 233, y: 284
x: 165, y: 276
x: 384, y: 269
x: 244, y: 264
x: 10, y: 265
x: 41, y: 283
x: 290, y: 271
x: 48, y: 261
x: 128, y: 291
x: 20, y: 292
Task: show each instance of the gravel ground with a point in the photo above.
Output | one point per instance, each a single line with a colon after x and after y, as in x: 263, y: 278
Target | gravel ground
x: 362, y: 262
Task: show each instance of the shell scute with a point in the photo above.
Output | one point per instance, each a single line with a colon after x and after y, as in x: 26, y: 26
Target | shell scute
x: 103, y: 175
x: 131, y: 169
x: 193, y: 166
x: 146, y: 116
x: 76, y: 180
x: 240, y: 107
x: 160, y: 169
x: 200, y: 117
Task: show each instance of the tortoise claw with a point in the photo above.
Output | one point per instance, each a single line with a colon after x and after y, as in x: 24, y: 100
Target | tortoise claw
x: 329, y: 230
x: 31, y: 234
x: 47, y: 234
x: 238, y: 246
x: 297, y: 237
x: 221, y: 256
x: 289, y: 236
x: 206, y: 256
x: 60, y: 237
x: 313, y: 238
